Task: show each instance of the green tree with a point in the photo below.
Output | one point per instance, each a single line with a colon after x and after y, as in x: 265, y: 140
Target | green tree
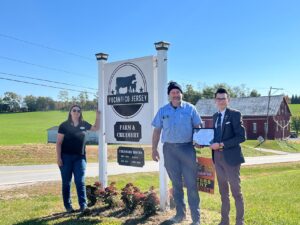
x: 254, y: 93
x: 63, y: 96
x: 45, y: 103
x: 13, y: 100
x: 208, y: 92
x: 74, y: 100
x: 41, y: 103
x: 295, y: 124
x: 83, y: 98
x: 30, y: 101
x: 191, y: 95
x: 239, y: 91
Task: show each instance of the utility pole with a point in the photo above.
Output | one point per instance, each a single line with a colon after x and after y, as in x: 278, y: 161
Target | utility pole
x: 268, y: 109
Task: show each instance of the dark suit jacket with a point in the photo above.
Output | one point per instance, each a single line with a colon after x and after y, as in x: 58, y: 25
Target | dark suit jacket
x: 233, y: 133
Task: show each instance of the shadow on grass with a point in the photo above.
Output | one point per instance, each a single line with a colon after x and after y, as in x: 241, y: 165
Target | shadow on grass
x: 144, y: 220
x: 135, y: 221
x: 120, y: 213
x: 78, y: 218
x: 70, y: 218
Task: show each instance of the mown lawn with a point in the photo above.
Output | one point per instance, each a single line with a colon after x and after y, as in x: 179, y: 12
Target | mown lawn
x: 285, y: 146
x: 31, y: 127
x: 271, y: 194
x: 295, y: 109
x: 26, y: 128
x: 34, y: 154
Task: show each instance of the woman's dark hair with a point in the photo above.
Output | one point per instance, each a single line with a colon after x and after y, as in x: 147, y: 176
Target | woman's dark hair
x: 221, y: 91
x: 70, y: 117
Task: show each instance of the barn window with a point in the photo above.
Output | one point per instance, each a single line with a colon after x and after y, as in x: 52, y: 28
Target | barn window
x: 254, y: 128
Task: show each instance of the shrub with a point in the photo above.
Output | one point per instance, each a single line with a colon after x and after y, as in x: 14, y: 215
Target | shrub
x: 94, y: 193
x: 111, y: 196
x: 151, y: 202
x: 131, y: 197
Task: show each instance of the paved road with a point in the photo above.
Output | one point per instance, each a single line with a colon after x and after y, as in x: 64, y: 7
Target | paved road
x: 10, y: 175
x: 13, y: 175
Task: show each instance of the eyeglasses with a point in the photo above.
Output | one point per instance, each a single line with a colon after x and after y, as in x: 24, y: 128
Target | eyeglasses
x: 76, y: 110
x: 221, y: 99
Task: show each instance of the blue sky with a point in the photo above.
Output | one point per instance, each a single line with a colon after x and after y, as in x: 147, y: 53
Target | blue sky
x: 256, y: 43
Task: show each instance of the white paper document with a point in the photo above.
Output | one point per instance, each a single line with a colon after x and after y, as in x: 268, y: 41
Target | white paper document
x: 203, y: 136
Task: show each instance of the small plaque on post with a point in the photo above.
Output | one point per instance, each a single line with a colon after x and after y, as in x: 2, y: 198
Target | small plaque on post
x: 128, y: 156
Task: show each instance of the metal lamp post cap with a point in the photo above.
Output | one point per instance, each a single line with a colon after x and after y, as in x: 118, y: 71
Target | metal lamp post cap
x: 162, y: 45
x: 101, y: 56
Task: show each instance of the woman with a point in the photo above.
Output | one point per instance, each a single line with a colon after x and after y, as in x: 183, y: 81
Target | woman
x: 71, y: 157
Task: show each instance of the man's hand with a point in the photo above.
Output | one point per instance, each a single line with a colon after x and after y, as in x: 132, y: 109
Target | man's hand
x: 155, y: 155
x: 59, y: 162
x: 215, y: 146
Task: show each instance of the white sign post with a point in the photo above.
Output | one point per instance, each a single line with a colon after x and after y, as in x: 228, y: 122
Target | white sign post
x: 102, y: 147
x: 162, y: 99
x: 130, y: 94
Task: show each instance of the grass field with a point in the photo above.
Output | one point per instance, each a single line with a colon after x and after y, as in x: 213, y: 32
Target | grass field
x: 295, y: 109
x: 271, y: 194
x: 285, y: 146
x: 33, y: 154
x: 22, y: 128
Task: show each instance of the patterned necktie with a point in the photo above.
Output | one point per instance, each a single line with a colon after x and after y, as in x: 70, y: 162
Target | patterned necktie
x: 218, y: 135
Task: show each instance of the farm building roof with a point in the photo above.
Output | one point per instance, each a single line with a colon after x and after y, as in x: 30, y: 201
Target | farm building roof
x: 248, y: 106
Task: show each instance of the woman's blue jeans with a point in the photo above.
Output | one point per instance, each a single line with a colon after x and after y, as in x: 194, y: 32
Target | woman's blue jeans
x: 73, y: 164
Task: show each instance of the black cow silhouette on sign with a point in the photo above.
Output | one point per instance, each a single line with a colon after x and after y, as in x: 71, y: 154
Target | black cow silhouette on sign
x: 125, y: 82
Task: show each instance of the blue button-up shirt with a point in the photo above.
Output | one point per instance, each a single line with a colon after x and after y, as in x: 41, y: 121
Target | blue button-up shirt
x: 177, y: 124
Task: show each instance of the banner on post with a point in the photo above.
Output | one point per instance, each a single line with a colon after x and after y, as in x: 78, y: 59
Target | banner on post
x: 206, y: 175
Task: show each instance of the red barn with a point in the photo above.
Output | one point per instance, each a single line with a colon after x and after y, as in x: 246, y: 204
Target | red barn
x: 256, y: 116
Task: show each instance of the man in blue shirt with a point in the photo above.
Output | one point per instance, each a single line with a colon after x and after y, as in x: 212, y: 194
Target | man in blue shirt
x: 176, y: 120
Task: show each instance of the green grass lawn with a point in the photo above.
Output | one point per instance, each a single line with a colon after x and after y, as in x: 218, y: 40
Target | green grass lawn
x: 295, y: 109
x: 31, y: 127
x: 271, y: 194
x: 248, y: 151
x: 286, y: 146
x: 34, y: 154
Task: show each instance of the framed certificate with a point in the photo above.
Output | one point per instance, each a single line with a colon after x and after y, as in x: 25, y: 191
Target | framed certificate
x: 203, y: 136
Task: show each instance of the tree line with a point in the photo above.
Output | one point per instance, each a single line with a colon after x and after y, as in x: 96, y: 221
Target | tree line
x: 295, y: 99
x: 12, y: 102
x: 192, y: 95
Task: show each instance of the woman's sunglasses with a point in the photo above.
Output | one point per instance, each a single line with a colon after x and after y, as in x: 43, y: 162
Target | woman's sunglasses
x: 76, y: 110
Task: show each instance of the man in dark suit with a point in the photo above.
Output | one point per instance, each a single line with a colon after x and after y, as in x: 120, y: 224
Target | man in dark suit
x: 227, y: 155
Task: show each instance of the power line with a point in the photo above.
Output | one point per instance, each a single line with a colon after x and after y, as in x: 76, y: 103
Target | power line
x: 46, y: 67
x: 50, y: 81
x: 46, y: 47
x: 44, y: 85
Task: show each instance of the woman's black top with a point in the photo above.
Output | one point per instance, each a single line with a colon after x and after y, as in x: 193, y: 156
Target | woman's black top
x: 73, y: 142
